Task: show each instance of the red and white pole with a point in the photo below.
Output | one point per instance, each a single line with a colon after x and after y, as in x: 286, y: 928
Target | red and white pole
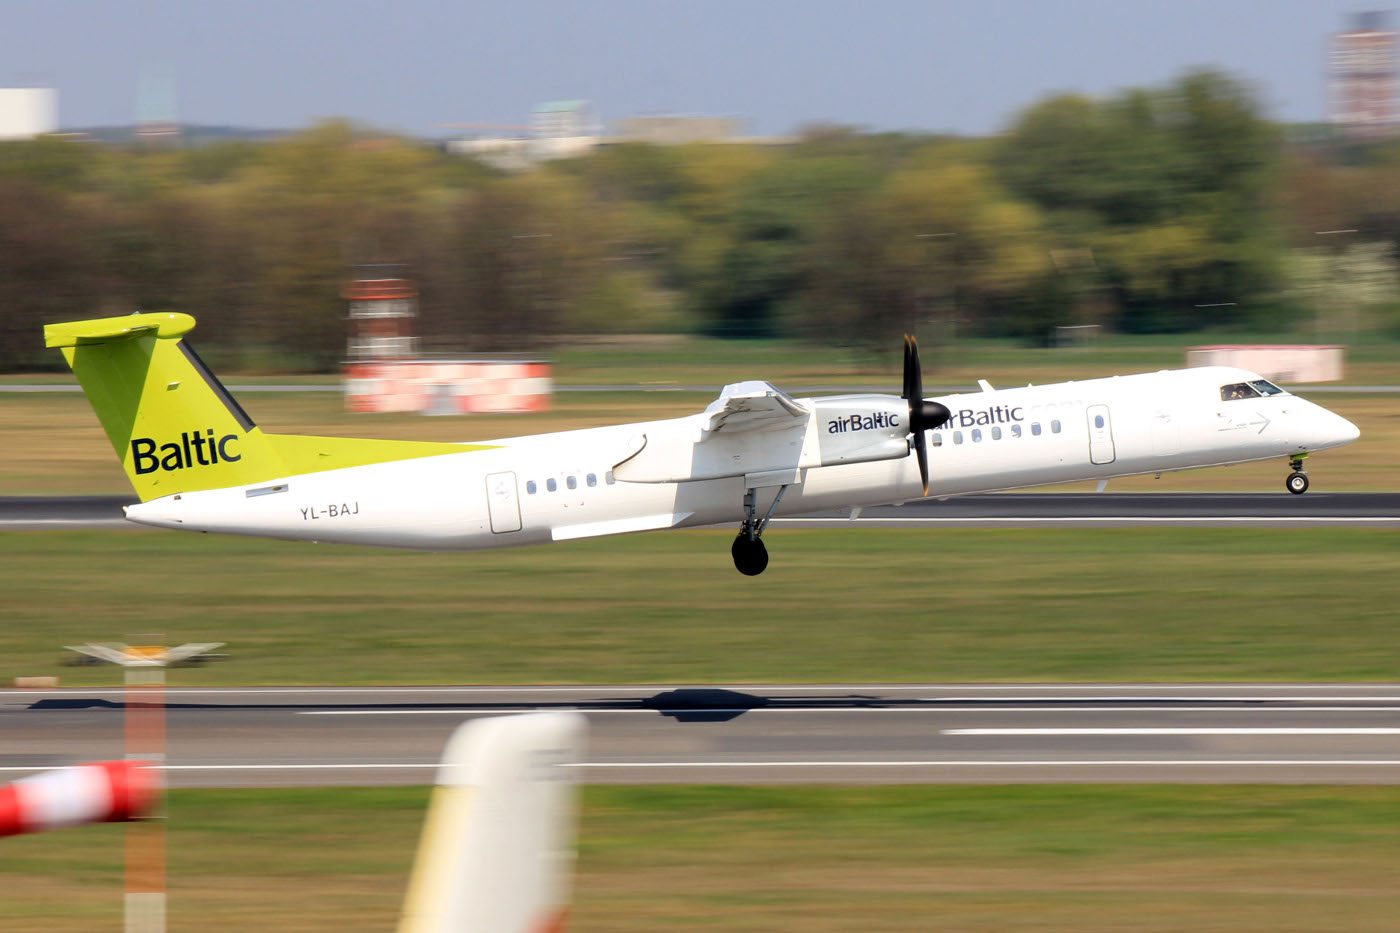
x: 145, y: 841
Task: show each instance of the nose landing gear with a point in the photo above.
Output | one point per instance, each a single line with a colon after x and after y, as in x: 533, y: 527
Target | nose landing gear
x: 1297, y: 481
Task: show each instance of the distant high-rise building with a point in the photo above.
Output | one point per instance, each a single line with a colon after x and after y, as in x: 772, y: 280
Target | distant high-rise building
x: 26, y: 112
x: 1362, y: 77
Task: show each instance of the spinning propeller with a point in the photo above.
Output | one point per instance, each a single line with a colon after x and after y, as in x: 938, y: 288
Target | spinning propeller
x: 923, y: 415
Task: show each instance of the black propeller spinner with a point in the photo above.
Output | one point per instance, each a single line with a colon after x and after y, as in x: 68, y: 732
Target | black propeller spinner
x: 923, y: 415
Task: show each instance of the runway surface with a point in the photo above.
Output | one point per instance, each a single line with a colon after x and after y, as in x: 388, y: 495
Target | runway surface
x: 797, y: 390
x: 997, y: 510
x: 752, y: 734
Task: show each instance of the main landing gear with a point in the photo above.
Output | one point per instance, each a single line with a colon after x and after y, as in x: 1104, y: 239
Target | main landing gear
x: 1297, y: 481
x: 749, y: 552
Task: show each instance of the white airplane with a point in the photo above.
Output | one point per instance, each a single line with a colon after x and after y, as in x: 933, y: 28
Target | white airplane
x: 198, y: 462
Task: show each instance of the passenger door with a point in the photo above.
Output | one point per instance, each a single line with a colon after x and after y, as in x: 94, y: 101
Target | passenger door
x: 1100, y: 435
x: 503, y: 502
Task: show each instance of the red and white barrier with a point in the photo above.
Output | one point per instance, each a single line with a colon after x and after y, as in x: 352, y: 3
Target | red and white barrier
x: 99, y: 792
x: 443, y: 387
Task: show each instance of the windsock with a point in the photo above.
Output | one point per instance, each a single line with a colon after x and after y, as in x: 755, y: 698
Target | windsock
x: 98, y: 792
x: 497, y: 852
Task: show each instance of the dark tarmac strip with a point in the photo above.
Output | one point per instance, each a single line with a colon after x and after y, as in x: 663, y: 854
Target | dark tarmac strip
x: 1280, y: 509
x: 797, y: 390
x: 751, y: 734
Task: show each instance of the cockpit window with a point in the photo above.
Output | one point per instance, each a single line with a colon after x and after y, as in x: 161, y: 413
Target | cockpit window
x: 1265, y: 387
x: 1238, y: 390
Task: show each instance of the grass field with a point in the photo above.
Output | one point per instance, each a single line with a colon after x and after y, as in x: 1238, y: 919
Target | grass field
x: 820, y: 859
x: 840, y: 605
x: 53, y: 445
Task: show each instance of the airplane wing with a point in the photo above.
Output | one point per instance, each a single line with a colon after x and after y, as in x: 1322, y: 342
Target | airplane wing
x: 751, y: 405
x: 752, y: 427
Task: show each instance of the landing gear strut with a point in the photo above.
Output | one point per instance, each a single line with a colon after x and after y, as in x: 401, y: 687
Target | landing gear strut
x: 749, y: 552
x: 1297, y: 481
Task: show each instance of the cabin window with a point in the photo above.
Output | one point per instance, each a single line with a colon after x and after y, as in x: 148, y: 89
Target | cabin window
x: 531, y: 488
x: 1055, y: 427
x: 996, y: 434
x: 609, y: 478
x: 937, y: 439
x: 550, y: 484
x: 1238, y: 390
x: 1265, y: 387
x: 1098, y: 421
x: 976, y: 435
x: 957, y: 437
x: 1035, y: 429
x: 1015, y: 430
x: 571, y: 482
x: 592, y: 479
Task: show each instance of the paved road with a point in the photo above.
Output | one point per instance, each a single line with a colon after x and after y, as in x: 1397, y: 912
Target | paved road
x: 846, y: 733
x: 1007, y: 510
x: 799, y: 391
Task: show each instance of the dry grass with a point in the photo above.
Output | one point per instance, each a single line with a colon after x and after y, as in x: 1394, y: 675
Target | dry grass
x: 53, y: 444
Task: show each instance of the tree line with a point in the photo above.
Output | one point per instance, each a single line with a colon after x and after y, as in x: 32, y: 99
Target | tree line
x: 1163, y: 209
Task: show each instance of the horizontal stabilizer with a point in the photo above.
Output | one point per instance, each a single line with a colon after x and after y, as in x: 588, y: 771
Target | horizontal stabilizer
x: 101, y: 330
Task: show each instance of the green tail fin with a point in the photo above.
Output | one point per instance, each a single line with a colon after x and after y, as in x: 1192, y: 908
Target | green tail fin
x: 174, y: 425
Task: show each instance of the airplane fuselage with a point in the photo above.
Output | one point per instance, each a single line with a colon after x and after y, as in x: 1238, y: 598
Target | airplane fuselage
x: 560, y: 486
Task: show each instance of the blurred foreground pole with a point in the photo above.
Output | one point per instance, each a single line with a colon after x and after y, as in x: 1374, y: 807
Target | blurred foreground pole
x: 497, y: 851
x: 145, y: 841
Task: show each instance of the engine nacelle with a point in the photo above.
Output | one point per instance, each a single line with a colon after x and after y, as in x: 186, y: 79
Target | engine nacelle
x: 860, y: 428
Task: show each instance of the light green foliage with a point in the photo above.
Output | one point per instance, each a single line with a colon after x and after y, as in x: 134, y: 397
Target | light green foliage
x: 1343, y: 286
x: 1154, y: 209
x: 1169, y: 189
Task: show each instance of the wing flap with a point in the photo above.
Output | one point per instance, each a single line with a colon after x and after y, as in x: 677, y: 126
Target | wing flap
x: 751, y: 406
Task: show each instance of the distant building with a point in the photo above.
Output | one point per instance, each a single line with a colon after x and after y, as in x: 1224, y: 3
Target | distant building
x: 507, y: 153
x: 1286, y: 363
x: 564, y: 128
x: 558, y: 130
x: 670, y: 129
x: 1362, y: 92
x: 27, y: 112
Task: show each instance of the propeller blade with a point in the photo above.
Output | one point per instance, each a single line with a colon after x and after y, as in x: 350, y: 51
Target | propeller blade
x: 913, y: 374
x: 921, y: 452
x: 907, y: 352
x: 923, y: 415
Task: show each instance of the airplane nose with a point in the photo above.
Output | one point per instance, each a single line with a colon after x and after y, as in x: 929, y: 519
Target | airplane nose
x: 1337, y: 431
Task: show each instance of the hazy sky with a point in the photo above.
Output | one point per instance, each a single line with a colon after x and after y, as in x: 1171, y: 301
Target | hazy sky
x: 412, y: 64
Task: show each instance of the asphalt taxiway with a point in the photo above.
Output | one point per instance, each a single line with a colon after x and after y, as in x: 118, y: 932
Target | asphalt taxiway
x: 751, y: 733
x: 1278, y: 509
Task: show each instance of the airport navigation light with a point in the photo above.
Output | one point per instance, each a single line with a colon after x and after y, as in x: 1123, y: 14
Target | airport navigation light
x: 134, y: 656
